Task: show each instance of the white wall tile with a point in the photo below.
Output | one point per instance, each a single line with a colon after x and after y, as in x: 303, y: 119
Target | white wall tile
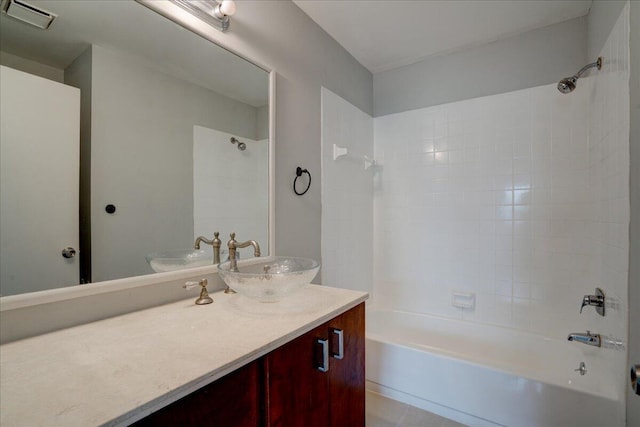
x: 347, y: 189
x: 522, y: 199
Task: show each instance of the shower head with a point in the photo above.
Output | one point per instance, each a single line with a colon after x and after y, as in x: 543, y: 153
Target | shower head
x: 241, y: 145
x: 568, y: 84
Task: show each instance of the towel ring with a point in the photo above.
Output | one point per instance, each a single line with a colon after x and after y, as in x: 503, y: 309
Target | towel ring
x: 299, y: 172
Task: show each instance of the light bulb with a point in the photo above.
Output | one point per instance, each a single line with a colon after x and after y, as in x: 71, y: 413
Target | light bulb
x: 227, y: 7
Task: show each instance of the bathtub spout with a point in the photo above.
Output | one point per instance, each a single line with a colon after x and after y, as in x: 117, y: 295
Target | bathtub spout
x: 588, y: 338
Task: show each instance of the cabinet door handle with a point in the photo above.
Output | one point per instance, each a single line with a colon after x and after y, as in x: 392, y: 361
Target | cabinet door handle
x: 324, y: 367
x: 340, y: 354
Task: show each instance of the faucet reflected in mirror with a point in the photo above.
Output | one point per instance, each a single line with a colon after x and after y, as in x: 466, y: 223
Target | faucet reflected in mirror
x: 216, y: 243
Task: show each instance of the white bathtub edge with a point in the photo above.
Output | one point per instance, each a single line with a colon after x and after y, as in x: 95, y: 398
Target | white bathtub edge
x: 427, y: 405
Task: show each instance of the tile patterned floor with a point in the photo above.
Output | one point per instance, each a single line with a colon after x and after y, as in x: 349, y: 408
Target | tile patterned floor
x: 384, y: 412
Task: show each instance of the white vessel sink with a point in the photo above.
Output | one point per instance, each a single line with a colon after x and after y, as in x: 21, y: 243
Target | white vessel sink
x: 271, y: 279
x: 179, y: 259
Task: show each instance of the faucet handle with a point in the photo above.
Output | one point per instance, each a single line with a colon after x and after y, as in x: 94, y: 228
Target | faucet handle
x: 204, y: 297
x: 586, y: 300
x: 190, y: 285
x: 596, y: 300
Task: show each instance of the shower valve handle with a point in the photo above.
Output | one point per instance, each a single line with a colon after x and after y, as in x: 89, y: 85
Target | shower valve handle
x: 596, y: 300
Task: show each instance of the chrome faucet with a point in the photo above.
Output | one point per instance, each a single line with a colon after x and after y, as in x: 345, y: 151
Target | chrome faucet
x: 588, y: 338
x: 215, y: 242
x: 233, y: 247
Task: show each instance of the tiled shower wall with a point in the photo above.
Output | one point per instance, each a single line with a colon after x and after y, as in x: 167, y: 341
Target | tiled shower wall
x: 347, y: 195
x: 487, y: 196
x: 609, y: 162
x: 520, y: 198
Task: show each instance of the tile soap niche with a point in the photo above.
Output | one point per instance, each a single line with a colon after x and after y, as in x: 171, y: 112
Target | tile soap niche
x: 465, y: 300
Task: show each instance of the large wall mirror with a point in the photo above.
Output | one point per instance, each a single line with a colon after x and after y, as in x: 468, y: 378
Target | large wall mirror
x: 117, y: 150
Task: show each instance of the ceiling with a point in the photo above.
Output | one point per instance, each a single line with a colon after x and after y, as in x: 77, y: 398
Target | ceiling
x: 383, y: 35
x: 132, y: 29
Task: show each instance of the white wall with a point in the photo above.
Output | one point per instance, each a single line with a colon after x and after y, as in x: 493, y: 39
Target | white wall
x: 609, y: 167
x: 487, y: 196
x: 347, y: 195
x: 533, y: 58
x: 218, y: 207
x: 633, y: 402
x: 602, y: 17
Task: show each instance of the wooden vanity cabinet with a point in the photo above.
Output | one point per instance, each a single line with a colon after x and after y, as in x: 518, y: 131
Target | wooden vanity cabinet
x: 296, y: 392
x: 233, y: 400
x: 299, y: 394
x: 347, y: 376
x: 285, y: 388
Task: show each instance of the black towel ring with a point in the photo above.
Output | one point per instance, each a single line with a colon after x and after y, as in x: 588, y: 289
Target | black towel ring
x: 299, y: 172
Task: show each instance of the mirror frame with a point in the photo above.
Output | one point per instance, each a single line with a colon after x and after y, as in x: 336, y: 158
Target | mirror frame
x: 202, y: 29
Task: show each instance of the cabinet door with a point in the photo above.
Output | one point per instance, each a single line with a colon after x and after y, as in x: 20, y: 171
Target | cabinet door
x: 346, y: 374
x: 232, y: 401
x: 296, y: 391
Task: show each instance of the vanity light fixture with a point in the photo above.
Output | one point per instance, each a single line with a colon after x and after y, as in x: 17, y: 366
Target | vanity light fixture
x: 217, y: 13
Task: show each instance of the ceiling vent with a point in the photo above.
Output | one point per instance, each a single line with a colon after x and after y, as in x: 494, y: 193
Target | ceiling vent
x: 27, y: 13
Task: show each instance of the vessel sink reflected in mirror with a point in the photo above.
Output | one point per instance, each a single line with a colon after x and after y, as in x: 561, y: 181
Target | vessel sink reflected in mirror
x: 161, y: 262
x: 271, y: 279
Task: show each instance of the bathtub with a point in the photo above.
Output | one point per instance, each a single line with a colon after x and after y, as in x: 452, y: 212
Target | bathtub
x: 483, y: 375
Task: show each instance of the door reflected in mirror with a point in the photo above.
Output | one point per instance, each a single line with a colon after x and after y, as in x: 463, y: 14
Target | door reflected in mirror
x: 119, y: 144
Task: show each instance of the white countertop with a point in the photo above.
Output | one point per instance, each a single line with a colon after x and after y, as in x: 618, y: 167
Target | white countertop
x: 119, y: 370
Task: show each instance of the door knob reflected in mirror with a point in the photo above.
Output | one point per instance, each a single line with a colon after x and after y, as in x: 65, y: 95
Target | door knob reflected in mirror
x: 68, y: 252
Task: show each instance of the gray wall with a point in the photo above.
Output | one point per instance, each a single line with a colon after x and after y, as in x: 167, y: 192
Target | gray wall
x: 280, y: 35
x: 142, y: 159
x: 633, y: 403
x: 31, y: 67
x: 305, y: 57
x: 534, y: 58
x: 78, y: 74
x: 601, y: 19
x: 262, y: 124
